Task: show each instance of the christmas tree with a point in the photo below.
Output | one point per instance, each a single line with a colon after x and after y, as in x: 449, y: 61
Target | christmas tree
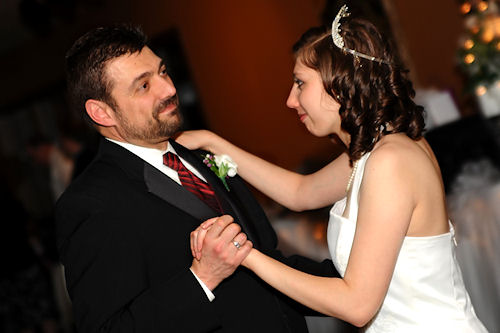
x: 479, y: 52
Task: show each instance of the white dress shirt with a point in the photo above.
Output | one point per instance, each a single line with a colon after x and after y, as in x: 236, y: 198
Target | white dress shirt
x: 155, y: 158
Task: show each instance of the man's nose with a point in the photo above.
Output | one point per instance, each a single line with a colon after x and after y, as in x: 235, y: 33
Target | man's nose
x: 166, y: 87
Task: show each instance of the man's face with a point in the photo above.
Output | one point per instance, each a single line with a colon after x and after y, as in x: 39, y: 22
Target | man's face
x: 147, y: 106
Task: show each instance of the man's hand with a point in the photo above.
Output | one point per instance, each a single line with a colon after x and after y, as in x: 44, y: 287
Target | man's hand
x: 224, y: 248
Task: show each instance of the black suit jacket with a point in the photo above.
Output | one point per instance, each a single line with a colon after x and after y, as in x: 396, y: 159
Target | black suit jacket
x: 123, y: 236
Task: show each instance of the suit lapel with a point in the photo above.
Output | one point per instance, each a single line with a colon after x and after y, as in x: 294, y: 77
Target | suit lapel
x: 168, y: 190
x: 154, y: 180
x: 233, y: 203
x: 228, y: 200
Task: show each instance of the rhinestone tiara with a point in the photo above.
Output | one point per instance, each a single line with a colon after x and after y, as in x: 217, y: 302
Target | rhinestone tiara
x: 339, y: 41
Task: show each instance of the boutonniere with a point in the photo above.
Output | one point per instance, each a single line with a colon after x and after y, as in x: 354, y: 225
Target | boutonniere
x: 222, y: 165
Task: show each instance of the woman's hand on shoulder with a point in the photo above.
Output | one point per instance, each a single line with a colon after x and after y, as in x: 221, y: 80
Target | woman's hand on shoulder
x: 196, y: 139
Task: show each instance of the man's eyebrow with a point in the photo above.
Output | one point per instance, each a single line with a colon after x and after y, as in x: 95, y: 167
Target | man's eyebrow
x: 163, y: 63
x: 139, y: 78
x: 146, y: 74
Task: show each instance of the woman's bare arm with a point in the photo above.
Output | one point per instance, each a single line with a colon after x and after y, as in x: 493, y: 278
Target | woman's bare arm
x: 292, y: 190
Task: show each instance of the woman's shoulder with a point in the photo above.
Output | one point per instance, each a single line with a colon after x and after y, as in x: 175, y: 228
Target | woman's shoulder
x: 399, y: 146
x: 397, y: 154
x: 392, y: 148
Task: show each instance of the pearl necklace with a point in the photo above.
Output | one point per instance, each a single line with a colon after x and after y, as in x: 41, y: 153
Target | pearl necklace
x: 351, y: 177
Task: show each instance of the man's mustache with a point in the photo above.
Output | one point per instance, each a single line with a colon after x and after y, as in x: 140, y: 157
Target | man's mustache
x: 166, y: 102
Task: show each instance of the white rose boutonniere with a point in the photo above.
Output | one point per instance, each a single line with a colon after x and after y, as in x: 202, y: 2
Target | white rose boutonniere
x: 222, y: 165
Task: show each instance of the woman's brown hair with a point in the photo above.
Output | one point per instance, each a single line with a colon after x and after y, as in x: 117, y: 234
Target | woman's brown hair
x: 375, y: 98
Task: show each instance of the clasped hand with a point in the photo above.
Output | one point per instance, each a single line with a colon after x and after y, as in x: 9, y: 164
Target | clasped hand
x: 218, y: 247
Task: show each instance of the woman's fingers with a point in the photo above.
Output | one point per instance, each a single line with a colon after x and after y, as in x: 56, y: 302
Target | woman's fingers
x: 223, y: 227
x: 198, y: 235
x: 208, y: 223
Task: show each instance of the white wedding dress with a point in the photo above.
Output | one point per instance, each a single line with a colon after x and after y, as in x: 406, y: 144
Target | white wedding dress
x: 426, y: 293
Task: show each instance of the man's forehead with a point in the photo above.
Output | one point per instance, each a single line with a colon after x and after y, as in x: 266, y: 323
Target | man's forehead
x: 132, y: 64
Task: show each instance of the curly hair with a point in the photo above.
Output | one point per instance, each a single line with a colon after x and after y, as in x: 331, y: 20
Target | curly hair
x: 375, y: 98
x: 86, y: 59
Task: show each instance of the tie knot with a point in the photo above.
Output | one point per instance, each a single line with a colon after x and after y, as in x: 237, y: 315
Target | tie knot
x: 191, y: 182
x: 172, y: 161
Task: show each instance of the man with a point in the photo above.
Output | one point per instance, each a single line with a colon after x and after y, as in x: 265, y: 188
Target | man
x: 124, y: 224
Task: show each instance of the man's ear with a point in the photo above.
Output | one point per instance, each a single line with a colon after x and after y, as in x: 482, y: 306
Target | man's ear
x: 100, y: 112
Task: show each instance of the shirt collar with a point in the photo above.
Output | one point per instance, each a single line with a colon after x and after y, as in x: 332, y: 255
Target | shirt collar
x: 154, y: 157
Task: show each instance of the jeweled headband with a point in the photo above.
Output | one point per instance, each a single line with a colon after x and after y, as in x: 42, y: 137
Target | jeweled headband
x: 339, y: 41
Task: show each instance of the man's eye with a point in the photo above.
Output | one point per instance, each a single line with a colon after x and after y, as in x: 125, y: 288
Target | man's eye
x: 144, y: 86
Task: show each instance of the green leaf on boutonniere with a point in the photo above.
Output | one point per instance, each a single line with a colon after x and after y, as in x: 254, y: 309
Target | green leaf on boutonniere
x: 222, y: 165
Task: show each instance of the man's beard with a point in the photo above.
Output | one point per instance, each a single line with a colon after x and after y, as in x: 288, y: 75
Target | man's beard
x: 156, y: 129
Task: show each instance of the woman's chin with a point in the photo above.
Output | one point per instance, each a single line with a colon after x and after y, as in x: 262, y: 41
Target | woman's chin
x: 317, y: 133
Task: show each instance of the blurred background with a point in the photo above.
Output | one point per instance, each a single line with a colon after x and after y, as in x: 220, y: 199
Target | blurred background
x: 232, y: 64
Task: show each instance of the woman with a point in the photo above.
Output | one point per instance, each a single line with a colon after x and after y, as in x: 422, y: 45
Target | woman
x: 389, y: 234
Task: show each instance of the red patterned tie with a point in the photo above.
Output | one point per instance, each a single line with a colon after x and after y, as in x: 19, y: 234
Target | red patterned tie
x: 192, y: 183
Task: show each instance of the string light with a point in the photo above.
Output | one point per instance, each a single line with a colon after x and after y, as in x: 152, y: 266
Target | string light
x: 469, y: 44
x: 469, y: 58
x: 465, y: 8
x: 481, y: 90
x: 482, y: 6
x: 488, y: 35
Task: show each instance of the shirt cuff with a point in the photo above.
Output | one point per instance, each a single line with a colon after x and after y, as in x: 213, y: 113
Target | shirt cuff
x: 207, y: 291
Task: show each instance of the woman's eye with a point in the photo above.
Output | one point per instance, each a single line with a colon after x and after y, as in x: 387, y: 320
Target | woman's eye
x: 298, y: 82
x: 163, y: 71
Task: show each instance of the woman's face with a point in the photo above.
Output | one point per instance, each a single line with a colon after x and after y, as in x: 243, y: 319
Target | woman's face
x: 317, y: 110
